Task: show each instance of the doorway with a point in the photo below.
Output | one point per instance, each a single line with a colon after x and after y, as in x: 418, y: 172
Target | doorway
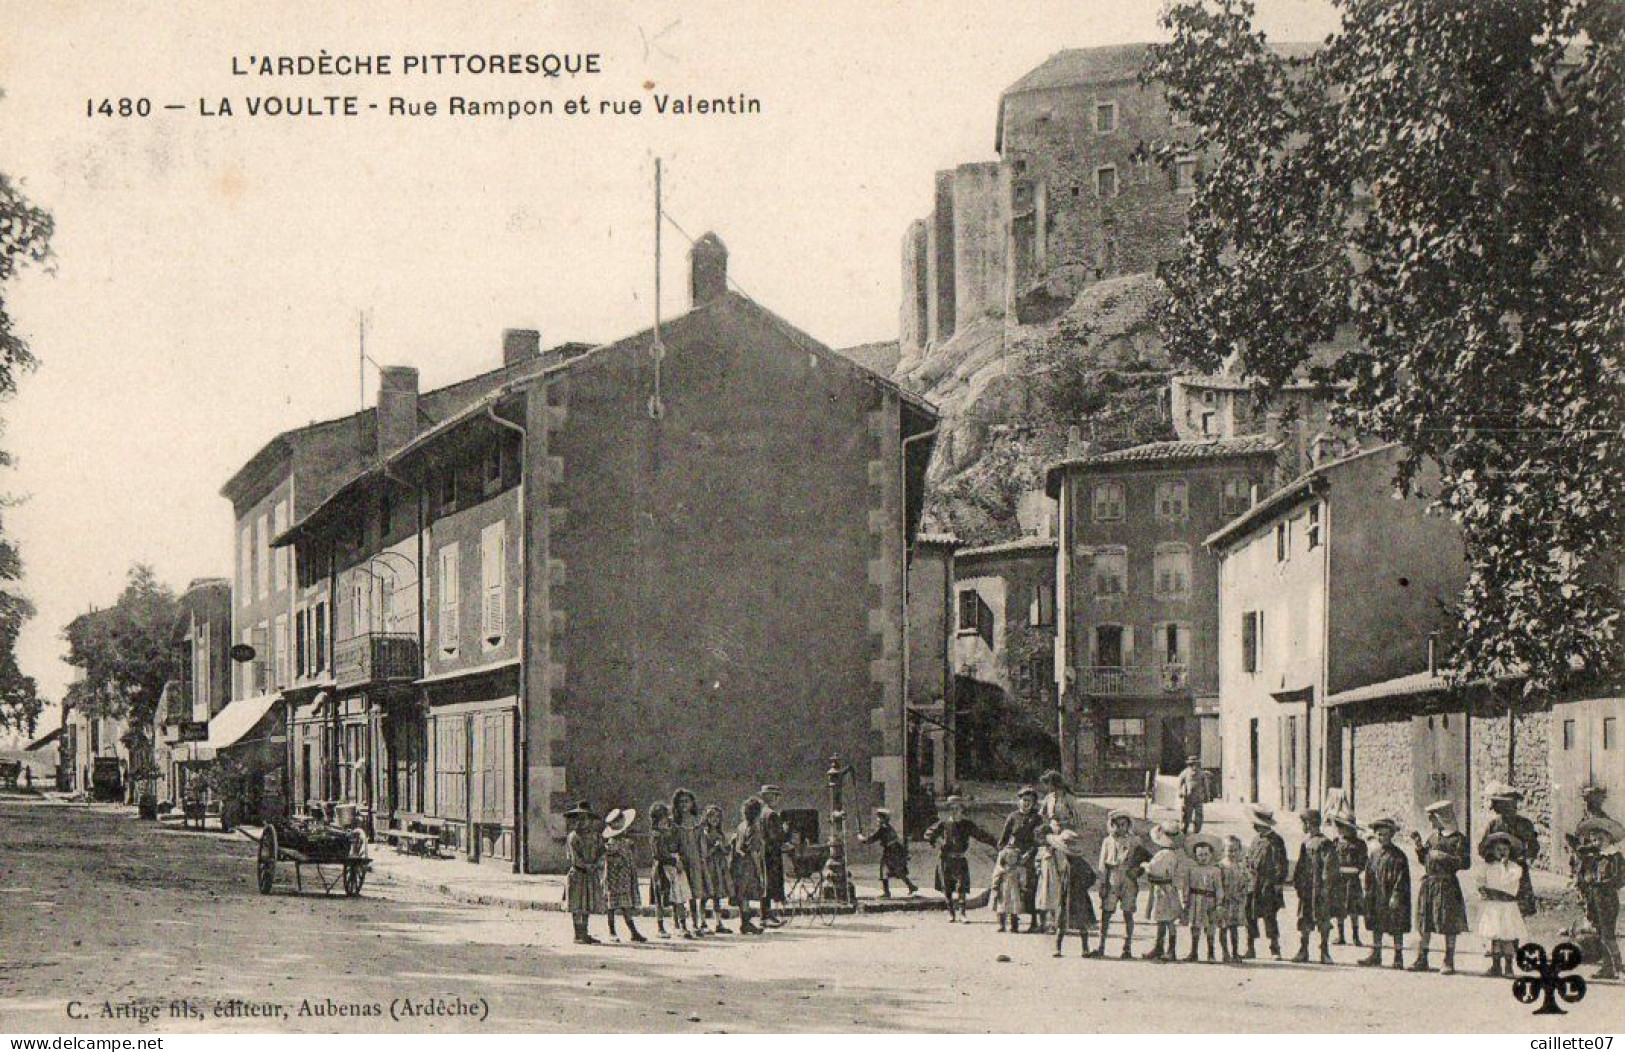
x: 1174, y: 750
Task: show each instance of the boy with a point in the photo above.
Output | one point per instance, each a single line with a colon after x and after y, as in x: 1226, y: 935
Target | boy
x: 1599, y: 874
x: 1441, y: 907
x: 1312, y: 879
x: 1387, y: 894
x: 1122, y: 861
x: 893, y: 853
x: 1267, y: 861
x: 951, y: 837
x: 1350, y: 856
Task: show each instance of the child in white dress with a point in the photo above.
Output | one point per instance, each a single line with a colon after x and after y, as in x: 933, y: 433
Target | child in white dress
x: 1499, y: 919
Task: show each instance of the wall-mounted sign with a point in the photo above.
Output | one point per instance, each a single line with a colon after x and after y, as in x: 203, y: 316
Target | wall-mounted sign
x: 242, y: 652
x: 194, y: 731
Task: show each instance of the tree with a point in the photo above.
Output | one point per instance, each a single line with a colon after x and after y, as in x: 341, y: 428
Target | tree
x: 126, y: 658
x: 1442, y: 179
x: 25, y: 237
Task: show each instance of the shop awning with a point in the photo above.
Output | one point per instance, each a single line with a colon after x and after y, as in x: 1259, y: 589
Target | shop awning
x: 232, y: 723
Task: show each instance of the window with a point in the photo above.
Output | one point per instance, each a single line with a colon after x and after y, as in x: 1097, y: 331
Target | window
x: 319, y: 638
x: 262, y: 553
x: 260, y: 682
x: 1172, y: 571
x: 1173, y: 643
x: 245, y: 565
x: 358, y: 607
x: 203, y: 669
x: 975, y: 616
x: 1568, y: 735
x: 1237, y: 496
x: 1252, y: 639
x: 450, y: 628
x: 493, y: 581
x: 1171, y: 502
x: 447, y: 496
x: 491, y: 468
x: 1105, y: 118
x: 1111, y: 646
x: 1106, y: 181
x: 284, y: 555
x: 280, y: 649
x: 386, y: 514
x: 1042, y: 614
x: 1313, y: 530
x: 1208, y: 425
x: 1125, y: 743
x: 1108, y: 502
x: 1283, y: 540
x: 301, y: 642
x: 1185, y: 175
x: 1610, y: 733
x: 1110, y: 571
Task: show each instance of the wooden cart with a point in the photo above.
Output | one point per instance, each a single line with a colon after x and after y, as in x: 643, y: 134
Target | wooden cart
x: 348, y: 861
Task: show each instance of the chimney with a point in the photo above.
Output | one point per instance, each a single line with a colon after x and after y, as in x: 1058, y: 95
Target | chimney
x: 707, y: 270
x: 397, y: 407
x: 520, y: 346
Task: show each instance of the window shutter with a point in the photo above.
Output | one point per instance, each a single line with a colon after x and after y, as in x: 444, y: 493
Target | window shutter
x: 450, y: 624
x: 1128, y: 646
x: 493, y: 577
x: 984, y: 621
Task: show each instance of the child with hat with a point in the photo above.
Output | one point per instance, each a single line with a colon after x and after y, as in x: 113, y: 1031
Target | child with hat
x: 1122, y: 861
x: 1599, y: 875
x: 668, y: 883
x: 1441, y: 907
x: 1311, y: 879
x: 583, y: 890
x: 621, y: 872
x: 1346, y: 902
x: 1237, y: 881
x: 1204, y: 892
x: 1267, y: 860
x: 1387, y: 894
x: 952, y: 836
x: 893, y: 853
x: 1021, y: 831
x: 1076, y: 912
x: 1525, y: 838
x: 1166, y: 875
x: 1499, y: 920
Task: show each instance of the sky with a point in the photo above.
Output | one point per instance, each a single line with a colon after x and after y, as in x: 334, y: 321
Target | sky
x: 209, y: 272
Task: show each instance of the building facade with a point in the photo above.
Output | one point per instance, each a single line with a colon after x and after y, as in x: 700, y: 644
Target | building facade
x: 1137, y: 649
x: 692, y: 576
x: 930, y: 635
x: 201, y: 643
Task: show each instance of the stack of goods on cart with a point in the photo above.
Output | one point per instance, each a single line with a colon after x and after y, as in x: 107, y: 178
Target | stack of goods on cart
x: 313, y: 838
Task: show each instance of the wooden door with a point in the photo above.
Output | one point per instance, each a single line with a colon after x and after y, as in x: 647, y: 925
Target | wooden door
x: 1439, y: 766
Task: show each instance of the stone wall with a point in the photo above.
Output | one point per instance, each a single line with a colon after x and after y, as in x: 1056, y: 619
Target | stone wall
x: 981, y: 205
x: 1382, y: 764
x: 1530, y: 743
x: 940, y: 315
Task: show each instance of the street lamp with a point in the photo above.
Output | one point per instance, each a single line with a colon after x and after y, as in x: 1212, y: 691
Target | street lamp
x: 837, y: 884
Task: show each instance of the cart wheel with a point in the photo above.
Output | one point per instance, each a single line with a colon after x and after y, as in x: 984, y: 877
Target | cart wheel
x: 265, y: 863
x: 355, y: 875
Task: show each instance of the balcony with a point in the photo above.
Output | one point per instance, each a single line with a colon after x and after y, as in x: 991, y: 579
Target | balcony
x: 376, y: 658
x: 1111, y: 681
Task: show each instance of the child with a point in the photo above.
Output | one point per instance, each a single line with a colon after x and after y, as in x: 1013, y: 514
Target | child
x: 952, y: 836
x: 1076, y: 912
x: 685, y: 823
x: 1204, y: 892
x: 1165, y: 873
x: 1499, y: 919
x: 1349, y: 856
x: 1441, y: 907
x: 621, y: 872
x: 1122, y: 861
x: 1022, y: 828
x: 1009, y: 886
x: 715, y: 852
x: 584, y: 891
x: 1600, y: 873
x: 1267, y: 861
x: 1387, y: 894
x: 667, y: 885
x: 1238, y: 878
x: 1311, y: 879
x: 893, y: 853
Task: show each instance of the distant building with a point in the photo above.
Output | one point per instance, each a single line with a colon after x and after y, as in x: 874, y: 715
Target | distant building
x: 1003, y: 690
x: 930, y: 661
x: 617, y: 574
x: 1138, y: 639
x: 201, y: 640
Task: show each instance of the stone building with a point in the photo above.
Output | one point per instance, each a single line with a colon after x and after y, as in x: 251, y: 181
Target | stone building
x: 930, y: 634
x: 1137, y: 645
x: 698, y: 579
x: 201, y: 640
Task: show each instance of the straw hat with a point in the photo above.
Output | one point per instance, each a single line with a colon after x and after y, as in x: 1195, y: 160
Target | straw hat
x: 619, y: 821
x: 1115, y: 813
x: 766, y: 789
x: 1384, y: 822
x: 1344, y: 818
x: 1207, y: 840
x: 581, y: 809
x: 1261, y: 815
x: 1502, y: 791
x: 1163, y: 834
x: 1607, y: 827
x: 1441, y: 807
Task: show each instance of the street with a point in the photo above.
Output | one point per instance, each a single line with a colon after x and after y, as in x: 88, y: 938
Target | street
x: 132, y: 928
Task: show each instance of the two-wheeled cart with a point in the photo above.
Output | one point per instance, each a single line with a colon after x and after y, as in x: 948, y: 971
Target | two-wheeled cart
x: 338, y: 856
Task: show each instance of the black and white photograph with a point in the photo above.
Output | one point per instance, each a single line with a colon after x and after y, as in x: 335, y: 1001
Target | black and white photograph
x: 939, y: 517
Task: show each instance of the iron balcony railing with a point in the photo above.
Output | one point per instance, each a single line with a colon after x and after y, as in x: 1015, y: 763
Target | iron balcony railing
x: 1114, y: 681
x: 376, y: 657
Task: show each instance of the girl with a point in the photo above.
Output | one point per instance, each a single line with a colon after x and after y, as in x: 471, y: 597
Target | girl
x: 1387, y: 894
x: 745, y: 865
x: 1441, y: 907
x: 1204, y: 894
x: 685, y: 814
x: 1499, y: 919
x: 1237, y: 879
x: 714, y: 850
x: 584, y: 891
x: 621, y: 872
x: 1059, y: 805
x: 1349, y: 855
x: 667, y: 885
x: 1008, y: 888
x: 1166, y: 873
x: 1075, y: 911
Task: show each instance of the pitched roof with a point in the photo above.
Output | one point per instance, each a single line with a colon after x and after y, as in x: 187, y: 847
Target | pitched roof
x: 1035, y: 545
x: 1287, y: 496
x: 1153, y: 453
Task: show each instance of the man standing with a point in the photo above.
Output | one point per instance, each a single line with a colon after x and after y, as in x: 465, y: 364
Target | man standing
x: 1525, y: 840
x: 773, y: 840
x: 1267, y: 861
x: 1193, y: 794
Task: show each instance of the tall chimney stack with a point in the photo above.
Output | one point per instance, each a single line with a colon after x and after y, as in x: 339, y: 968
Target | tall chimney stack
x: 520, y: 346
x: 397, y: 407
x: 707, y: 270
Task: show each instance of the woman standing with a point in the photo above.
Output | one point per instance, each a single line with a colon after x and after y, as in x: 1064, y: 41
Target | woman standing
x: 1061, y: 810
x: 746, y: 866
x: 685, y: 818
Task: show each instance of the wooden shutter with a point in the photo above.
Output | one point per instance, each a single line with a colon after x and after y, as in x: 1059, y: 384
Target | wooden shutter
x: 493, y: 581
x: 984, y: 621
x: 1128, y: 646
x: 450, y: 624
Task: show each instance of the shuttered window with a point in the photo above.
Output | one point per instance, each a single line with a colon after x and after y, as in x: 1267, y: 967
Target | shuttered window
x: 450, y: 627
x: 493, y: 583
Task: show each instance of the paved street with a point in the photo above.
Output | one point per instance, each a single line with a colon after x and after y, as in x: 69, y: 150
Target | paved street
x: 99, y: 908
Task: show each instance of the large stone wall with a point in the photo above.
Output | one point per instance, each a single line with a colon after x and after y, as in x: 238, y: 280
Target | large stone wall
x: 1383, y: 776
x: 981, y: 200
x: 1530, y: 743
